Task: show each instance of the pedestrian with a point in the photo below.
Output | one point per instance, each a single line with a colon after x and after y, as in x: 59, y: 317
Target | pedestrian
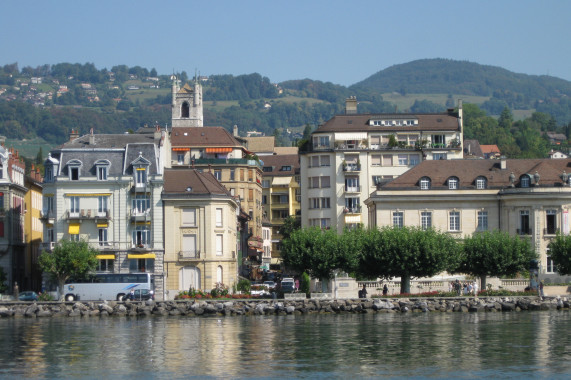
x: 475, y: 288
x: 385, y: 290
x: 364, y: 292
x: 132, y: 295
x: 541, y: 288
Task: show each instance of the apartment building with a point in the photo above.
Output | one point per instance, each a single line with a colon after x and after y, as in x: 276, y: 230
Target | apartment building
x: 281, y: 196
x: 200, y: 231
x: 12, y: 211
x: 106, y: 189
x: 33, y: 230
x: 529, y: 198
x: 351, y: 154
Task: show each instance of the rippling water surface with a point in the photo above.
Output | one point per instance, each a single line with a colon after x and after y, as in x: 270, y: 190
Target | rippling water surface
x: 435, y: 345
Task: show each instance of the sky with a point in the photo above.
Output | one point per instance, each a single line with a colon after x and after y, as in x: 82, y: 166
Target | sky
x: 342, y: 42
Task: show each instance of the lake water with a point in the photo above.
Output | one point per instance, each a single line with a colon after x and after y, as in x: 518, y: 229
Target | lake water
x: 433, y: 345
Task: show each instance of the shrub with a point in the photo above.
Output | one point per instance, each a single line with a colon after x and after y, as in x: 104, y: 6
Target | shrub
x: 243, y: 285
x: 45, y: 297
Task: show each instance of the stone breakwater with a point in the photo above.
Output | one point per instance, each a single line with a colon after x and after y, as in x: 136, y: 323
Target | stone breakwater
x: 280, y: 307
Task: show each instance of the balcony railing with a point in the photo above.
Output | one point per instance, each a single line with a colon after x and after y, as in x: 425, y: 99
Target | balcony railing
x: 189, y: 255
x: 227, y: 161
x: 88, y: 214
x: 550, y: 231
x: 523, y: 231
x: 48, y: 246
x: 352, y: 168
x: 139, y: 215
x: 352, y: 210
x: 352, y: 189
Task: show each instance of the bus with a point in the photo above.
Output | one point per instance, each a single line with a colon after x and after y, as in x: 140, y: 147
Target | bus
x: 107, y: 286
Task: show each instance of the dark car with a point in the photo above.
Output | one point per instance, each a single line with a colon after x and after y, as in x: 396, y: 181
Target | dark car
x: 143, y: 295
x: 28, y: 296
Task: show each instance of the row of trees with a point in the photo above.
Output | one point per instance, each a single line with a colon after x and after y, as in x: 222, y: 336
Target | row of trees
x: 405, y: 252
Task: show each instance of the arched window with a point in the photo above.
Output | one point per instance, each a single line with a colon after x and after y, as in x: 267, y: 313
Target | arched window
x: 185, y: 110
x: 481, y: 183
x: 219, y: 275
x: 453, y: 183
x: 425, y: 183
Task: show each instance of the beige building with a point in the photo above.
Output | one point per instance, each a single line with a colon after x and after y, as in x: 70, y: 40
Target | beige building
x: 200, y: 232
x: 529, y: 198
x: 281, y: 195
x: 350, y: 154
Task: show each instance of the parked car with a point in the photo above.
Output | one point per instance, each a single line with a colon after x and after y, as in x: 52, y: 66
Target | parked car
x: 270, y: 285
x: 142, y: 295
x: 258, y: 289
x: 287, y: 285
x: 28, y: 296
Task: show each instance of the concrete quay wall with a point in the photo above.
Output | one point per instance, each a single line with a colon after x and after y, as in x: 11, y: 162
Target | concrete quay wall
x: 280, y: 307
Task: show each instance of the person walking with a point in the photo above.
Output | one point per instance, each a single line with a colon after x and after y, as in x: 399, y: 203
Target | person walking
x: 385, y: 290
x: 364, y: 292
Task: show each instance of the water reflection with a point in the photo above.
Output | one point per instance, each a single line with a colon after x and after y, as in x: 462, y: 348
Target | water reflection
x: 370, y: 345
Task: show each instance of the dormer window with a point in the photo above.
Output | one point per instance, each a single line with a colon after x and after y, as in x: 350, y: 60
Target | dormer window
x: 524, y: 181
x: 140, y: 177
x: 425, y: 183
x: 453, y: 183
x: 74, y: 170
x: 481, y: 183
x: 102, y: 169
x: 49, y: 173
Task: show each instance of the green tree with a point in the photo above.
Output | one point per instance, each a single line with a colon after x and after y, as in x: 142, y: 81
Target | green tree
x: 560, y: 252
x: 506, y: 119
x: 318, y: 252
x: 291, y: 224
x: 68, y: 259
x: 407, y: 252
x: 495, y: 253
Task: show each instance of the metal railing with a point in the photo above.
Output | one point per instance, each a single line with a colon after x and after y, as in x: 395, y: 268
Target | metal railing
x: 189, y: 255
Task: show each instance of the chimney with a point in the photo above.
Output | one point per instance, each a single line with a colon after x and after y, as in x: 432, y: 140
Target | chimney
x: 351, y: 105
x: 91, y: 137
x: 73, y: 135
x: 503, y: 164
x: 235, y: 131
x: 157, y: 134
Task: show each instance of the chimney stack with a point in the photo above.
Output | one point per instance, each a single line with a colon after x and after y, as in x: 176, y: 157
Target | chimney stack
x: 351, y: 105
x: 91, y: 137
x: 503, y: 164
x: 73, y: 135
x: 235, y: 131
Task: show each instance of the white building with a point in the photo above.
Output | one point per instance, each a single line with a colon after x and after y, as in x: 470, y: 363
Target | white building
x: 351, y: 154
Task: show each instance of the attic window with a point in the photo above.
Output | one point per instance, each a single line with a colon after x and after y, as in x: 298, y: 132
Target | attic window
x: 524, y: 181
x: 425, y: 183
x: 285, y: 168
x: 268, y: 169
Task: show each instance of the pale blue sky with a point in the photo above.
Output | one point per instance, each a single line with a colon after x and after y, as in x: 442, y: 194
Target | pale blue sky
x: 335, y: 41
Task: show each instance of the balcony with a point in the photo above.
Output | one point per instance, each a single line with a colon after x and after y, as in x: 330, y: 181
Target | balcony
x: 141, y: 247
x: 48, y: 246
x: 105, y: 245
x: 352, y: 189
x: 48, y: 216
x: 140, y: 215
x: 352, y: 210
x: 523, y: 231
x: 352, y: 168
x: 88, y: 214
x: 227, y: 161
x: 189, y: 255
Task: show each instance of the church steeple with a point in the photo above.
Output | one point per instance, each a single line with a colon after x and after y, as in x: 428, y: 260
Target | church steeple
x: 186, y: 104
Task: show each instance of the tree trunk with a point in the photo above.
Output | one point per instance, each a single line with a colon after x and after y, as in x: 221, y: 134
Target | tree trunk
x: 61, y: 286
x: 483, y: 283
x: 405, y: 284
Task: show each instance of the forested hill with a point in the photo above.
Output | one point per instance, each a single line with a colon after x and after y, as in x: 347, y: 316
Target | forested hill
x: 45, y: 103
x: 445, y: 76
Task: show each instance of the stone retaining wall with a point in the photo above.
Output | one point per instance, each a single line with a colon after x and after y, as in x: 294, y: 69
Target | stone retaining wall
x: 281, y: 307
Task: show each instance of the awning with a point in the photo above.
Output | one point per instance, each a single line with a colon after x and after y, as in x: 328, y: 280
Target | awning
x: 102, y: 225
x: 106, y: 257
x: 218, y: 150
x: 141, y: 256
x: 281, y: 181
x: 73, y: 229
x: 180, y: 149
x: 350, y: 136
x: 352, y: 219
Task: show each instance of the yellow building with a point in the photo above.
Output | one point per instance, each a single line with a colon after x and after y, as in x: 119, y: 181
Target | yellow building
x: 33, y: 230
x: 280, y: 195
x: 200, y: 232
x: 529, y: 198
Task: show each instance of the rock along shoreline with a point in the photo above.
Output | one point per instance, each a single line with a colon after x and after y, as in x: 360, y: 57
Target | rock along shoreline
x: 201, y: 308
